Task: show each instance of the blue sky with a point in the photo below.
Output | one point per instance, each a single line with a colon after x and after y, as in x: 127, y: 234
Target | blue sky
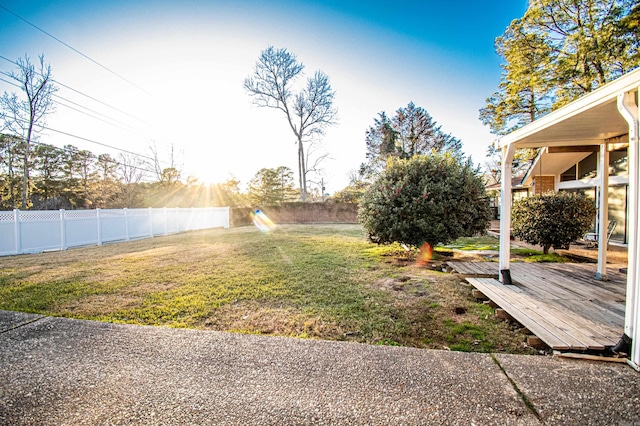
x: 191, y: 58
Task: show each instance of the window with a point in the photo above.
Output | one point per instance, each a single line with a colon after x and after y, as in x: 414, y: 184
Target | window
x: 618, y: 162
x: 569, y: 174
x: 588, y: 168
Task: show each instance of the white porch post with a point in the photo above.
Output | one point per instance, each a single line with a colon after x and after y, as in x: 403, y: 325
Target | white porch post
x: 603, y: 212
x: 505, y: 214
x: 629, y: 110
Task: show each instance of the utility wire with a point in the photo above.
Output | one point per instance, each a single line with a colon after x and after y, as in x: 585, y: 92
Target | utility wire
x: 112, y: 122
x: 92, y: 98
x: 97, y: 143
x: 107, y: 120
x: 76, y: 50
x: 131, y: 129
x: 78, y: 92
x: 9, y: 82
x: 101, y: 102
x: 91, y: 141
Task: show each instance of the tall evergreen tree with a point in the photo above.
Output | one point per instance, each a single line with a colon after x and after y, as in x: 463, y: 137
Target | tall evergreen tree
x: 11, y: 155
x: 558, y: 51
x: 270, y: 187
x: 412, y: 131
x: 48, y: 165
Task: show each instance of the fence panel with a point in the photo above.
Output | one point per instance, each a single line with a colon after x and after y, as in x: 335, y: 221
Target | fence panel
x: 139, y: 223
x: 37, y: 231
x: 113, y: 226
x: 173, y: 219
x: 159, y: 221
x: 7, y: 234
x: 81, y: 228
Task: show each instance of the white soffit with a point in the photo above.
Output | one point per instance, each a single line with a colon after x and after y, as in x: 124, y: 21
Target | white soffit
x: 590, y: 119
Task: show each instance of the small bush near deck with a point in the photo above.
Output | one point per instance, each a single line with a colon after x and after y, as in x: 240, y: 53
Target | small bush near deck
x: 554, y: 219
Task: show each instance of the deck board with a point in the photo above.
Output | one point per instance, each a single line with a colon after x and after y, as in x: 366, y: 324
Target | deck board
x: 563, y: 304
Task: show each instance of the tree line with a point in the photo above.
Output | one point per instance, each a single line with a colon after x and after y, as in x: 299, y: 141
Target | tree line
x: 72, y: 178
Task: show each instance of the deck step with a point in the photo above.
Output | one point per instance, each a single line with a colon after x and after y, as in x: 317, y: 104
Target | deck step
x: 560, y: 330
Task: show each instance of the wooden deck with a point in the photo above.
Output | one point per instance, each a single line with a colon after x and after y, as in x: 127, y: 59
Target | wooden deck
x: 563, y: 304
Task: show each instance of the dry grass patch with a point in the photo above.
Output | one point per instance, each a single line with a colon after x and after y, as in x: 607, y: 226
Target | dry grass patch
x: 253, y: 318
x: 321, y: 281
x: 96, y: 305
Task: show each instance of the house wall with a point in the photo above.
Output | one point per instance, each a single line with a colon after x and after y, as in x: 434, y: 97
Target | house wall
x: 300, y: 213
x: 542, y: 184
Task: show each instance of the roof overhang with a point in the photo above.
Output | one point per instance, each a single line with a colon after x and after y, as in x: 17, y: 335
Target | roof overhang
x: 587, y: 121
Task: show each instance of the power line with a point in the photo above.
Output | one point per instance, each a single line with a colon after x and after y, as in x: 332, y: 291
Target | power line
x: 9, y: 82
x: 93, y: 156
x: 131, y: 128
x: 109, y: 120
x: 78, y: 92
x: 97, y: 143
x: 76, y: 50
x: 91, y: 141
x: 114, y: 122
x: 100, y: 102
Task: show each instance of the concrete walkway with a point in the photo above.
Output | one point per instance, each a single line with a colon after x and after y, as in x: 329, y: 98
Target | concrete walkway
x: 56, y: 371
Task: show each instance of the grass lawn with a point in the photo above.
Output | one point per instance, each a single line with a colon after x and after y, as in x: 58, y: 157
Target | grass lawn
x: 320, y: 281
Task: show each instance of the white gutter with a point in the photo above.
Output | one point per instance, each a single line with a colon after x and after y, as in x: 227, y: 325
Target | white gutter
x: 629, y: 111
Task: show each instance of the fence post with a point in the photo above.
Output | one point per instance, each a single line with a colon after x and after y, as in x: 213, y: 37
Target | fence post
x: 126, y: 224
x: 99, y: 226
x: 63, y: 231
x: 151, y: 222
x: 16, y: 231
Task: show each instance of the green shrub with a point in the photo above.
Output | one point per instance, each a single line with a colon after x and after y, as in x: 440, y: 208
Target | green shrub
x: 554, y: 219
x: 433, y: 199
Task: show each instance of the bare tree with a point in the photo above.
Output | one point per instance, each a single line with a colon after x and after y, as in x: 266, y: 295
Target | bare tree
x: 167, y: 176
x: 314, y: 160
x: 308, y: 110
x: 132, y: 171
x: 131, y: 168
x: 25, y: 115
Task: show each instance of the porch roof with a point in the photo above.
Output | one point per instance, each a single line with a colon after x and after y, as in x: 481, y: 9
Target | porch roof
x: 593, y: 119
x: 587, y: 121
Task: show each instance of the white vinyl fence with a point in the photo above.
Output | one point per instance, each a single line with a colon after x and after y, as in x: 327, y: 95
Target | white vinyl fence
x: 37, y: 231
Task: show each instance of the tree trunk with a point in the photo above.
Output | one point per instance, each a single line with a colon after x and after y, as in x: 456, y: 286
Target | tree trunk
x: 302, y: 171
x: 545, y: 248
x: 25, y: 177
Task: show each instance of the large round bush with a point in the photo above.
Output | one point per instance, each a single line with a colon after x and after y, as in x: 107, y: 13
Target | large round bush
x: 433, y: 199
x: 553, y: 219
